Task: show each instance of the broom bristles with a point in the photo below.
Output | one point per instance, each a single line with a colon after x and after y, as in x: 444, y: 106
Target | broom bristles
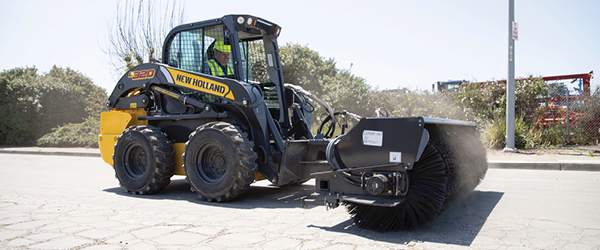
x: 452, y: 165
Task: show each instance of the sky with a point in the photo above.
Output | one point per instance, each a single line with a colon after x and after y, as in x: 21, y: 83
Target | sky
x: 392, y: 44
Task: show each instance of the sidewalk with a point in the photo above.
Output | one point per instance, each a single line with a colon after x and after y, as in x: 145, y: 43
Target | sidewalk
x: 89, y: 152
x: 578, y: 160
x: 552, y: 160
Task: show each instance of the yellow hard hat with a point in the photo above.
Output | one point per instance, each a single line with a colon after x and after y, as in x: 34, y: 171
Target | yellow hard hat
x: 222, y: 47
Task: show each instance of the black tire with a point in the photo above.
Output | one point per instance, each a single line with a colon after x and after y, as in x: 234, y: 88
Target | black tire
x: 143, y: 160
x: 219, y: 161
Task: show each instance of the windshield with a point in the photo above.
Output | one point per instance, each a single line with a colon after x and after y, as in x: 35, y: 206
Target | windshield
x: 195, y: 50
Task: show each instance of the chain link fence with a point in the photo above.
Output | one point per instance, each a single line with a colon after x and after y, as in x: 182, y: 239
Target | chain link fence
x: 568, y: 115
x: 549, y: 112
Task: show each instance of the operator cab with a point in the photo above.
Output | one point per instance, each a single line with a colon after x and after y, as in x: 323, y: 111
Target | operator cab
x: 252, y: 43
x: 253, y: 59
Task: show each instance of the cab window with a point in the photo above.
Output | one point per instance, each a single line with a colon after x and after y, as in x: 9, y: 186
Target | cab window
x: 194, y: 49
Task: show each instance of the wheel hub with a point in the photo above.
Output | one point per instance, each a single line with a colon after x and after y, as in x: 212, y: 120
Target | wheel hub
x: 218, y: 162
x: 211, y: 163
x: 135, y: 161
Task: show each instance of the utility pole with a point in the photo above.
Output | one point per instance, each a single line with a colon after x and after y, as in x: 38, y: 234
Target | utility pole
x: 510, y: 81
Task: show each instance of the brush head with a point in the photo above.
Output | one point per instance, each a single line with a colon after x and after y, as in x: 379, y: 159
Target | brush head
x: 424, y: 200
x: 451, y: 166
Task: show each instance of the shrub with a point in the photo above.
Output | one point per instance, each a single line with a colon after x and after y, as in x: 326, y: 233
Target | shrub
x: 495, y: 131
x: 31, y: 105
x: 19, y: 106
x: 83, y: 134
x: 487, y: 100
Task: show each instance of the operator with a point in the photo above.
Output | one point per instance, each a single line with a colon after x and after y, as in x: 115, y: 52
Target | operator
x: 218, y: 65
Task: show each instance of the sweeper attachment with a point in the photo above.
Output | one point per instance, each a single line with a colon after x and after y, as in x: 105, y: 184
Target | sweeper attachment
x: 400, y: 173
x: 216, y: 110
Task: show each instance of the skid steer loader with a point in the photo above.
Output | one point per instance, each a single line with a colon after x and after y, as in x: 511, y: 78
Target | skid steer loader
x: 223, y: 128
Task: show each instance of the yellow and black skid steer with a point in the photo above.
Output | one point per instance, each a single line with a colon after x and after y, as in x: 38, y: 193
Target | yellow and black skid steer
x: 216, y: 109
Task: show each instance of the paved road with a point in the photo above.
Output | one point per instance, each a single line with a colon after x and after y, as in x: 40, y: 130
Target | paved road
x: 63, y: 202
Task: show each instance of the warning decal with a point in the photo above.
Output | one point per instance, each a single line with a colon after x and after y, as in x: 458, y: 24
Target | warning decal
x: 395, y: 156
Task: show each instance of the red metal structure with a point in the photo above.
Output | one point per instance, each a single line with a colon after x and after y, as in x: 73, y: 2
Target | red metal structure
x: 557, y: 108
x: 586, y: 78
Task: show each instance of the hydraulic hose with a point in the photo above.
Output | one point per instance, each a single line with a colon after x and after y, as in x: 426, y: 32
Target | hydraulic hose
x: 329, y: 153
x: 183, y: 98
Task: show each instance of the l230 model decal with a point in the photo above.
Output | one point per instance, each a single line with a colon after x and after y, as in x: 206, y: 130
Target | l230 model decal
x: 200, y: 83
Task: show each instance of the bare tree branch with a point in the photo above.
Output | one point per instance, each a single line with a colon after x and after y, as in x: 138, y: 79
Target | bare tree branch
x: 137, y: 32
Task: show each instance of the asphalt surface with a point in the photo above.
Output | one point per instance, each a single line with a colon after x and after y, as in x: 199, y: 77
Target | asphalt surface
x: 576, y: 159
x: 73, y: 202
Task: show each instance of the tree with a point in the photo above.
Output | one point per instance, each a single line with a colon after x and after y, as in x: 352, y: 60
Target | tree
x: 305, y: 67
x: 74, y: 120
x: 137, y: 34
x: 18, y: 106
x: 339, y: 87
x: 31, y: 105
x: 345, y: 91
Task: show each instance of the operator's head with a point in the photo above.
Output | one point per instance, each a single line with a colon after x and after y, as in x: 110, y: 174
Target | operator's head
x: 222, y: 52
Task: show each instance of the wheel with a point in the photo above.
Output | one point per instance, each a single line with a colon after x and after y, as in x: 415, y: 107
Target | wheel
x: 219, y: 162
x: 143, y: 160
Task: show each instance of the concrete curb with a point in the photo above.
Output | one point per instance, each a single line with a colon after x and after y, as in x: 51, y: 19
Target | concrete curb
x: 560, y: 166
x: 525, y: 165
x: 61, y: 153
x: 580, y: 167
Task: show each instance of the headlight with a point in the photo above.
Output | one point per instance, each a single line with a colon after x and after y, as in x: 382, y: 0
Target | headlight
x: 240, y: 20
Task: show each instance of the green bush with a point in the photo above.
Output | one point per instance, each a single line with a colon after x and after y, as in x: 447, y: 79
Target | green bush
x: 32, y: 104
x: 19, y: 107
x: 487, y: 100
x: 552, y: 135
x: 494, y: 134
x: 83, y: 134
